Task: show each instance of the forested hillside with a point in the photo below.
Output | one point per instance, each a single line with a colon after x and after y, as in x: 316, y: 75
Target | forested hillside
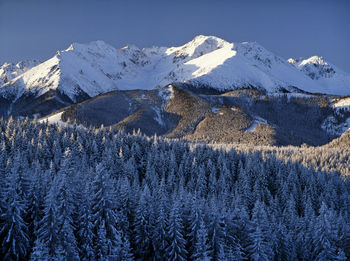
x: 333, y: 157
x: 70, y: 193
x: 247, y: 116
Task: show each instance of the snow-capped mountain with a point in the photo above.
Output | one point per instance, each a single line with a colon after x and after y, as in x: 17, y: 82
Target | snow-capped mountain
x: 95, y: 68
x: 9, y: 71
x: 328, y: 77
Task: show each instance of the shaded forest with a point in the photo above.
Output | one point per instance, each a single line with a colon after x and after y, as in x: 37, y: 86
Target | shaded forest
x: 98, y: 194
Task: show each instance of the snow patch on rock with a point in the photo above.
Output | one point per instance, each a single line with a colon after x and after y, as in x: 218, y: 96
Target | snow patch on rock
x: 342, y: 104
x: 256, y: 122
x: 167, y: 93
x: 158, y: 116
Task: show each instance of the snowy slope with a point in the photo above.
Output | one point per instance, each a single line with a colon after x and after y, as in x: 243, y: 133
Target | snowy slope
x: 328, y: 77
x: 211, y: 61
x: 9, y: 71
x: 343, y: 104
x: 281, y: 72
x: 95, y: 68
x: 72, y: 72
x: 54, y: 119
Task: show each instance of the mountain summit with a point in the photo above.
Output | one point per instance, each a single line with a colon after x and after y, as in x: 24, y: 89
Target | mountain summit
x: 331, y: 79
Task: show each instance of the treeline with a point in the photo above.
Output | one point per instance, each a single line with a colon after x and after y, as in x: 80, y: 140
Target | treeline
x: 324, y: 158
x: 95, y: 194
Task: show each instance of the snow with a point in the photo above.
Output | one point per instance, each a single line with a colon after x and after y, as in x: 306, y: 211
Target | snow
x: 255, y: 124
x: 332, y: 126
x: 288, y: 95
x: 54, y: 119
x: 342, y: 104
x: 199, y: 46
x: 158, y: 117
x: 215, y: 109
x: 167, y: 93
x: 9, y: 71
x: 97, y: 67
x: 329, y: 78
x: 313, y: 60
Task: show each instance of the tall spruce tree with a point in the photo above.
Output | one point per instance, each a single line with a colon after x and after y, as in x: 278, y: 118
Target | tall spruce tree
x: 13, y: 230
x: 104, y: 215
x: 175, y: 234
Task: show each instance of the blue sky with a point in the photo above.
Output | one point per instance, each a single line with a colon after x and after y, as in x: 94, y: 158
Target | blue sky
x: 298, y: 28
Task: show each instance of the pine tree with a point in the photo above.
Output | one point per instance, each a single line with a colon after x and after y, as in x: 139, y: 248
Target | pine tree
x: 85, y: 227
x: 176, y: 249
x: 201, y: 246
x: 194, y: 218
x: 13, y: 230
x: 217, y: 228
x: 222, y: 254
x: 122, y: 249
x: 325, y: 248
x: 40, y: 252
x: 104, y: 216
x: 126, y: 251
x: 48, y: 231
x: 143, y: 225
x: 65, y: 209
x: 235, y: 250
x: 260, y: 242
x: 160, y: 234
x: 37, y: 193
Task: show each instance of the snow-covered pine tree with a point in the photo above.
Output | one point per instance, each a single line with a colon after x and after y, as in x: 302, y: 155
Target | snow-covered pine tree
x: 260, y: 247
x: 39, y: 252
x: 84, y: 228
x: 13, y: 229
x: 65, y: 211
x: 104, y: 215
x: 159, y: 237
x: 324, y: 237
x: 175, y: 234
x: 217, y: 227
x: 201, y: 250
x: 143, y: 225
x: 47, y: 233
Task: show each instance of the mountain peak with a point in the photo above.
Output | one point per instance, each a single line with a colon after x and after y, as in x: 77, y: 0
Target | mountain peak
x: 130, y: 47
x: 93, y: 46
x: 330, y: 78
x: 319, y: 60
x: 202, y: 38
x: 198, y: 46
x: 315, y: 67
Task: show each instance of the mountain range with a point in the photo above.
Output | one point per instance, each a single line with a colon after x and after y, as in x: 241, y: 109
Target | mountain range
x: 183, y: 91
